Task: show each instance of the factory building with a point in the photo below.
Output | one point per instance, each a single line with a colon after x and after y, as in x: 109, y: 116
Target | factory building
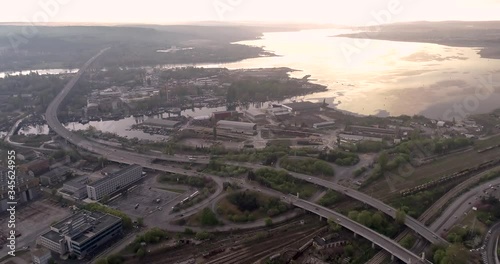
x: 374, y: 131
x: 82, y: 233
x: 357, y: 138
x: 36, y: 167
x: 76, y: 188
x: 55, y: 176
x: 237, y: 127
x: 255, y: 115
x: 222, y: 115
x: 324, y: 125
x: 302, y: 107
x: 161, y: 123
x: 114, y: 182
x: 27, y: 188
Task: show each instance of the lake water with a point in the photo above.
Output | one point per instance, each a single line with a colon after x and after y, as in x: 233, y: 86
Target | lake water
x: 41, y: 72
x: 123, y: 126
x: 378, y: 77
x: 385, y: 77
x: 120, y: 127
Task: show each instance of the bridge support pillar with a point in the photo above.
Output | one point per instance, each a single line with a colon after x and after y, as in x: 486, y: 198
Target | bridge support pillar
x: 355, y: 235
x: 320, y: 218
x: 392, y: 257
x: 373, y: 245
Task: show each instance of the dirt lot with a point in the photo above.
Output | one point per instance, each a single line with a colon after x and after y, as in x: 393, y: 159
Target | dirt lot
x: 32, y: 220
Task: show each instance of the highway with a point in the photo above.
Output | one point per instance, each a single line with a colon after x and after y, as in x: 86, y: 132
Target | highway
x: 462, y: 205
x: 145, y: 161
x: 434, y: 210
x: 411, y: 222
x: 382, y: 241
x: 490, y: 253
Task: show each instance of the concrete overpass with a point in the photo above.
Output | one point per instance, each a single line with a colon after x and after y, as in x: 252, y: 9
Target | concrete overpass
x: 382, y: 241
x: 411, y: 222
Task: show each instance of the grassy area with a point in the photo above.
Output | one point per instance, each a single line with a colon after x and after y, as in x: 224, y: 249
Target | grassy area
x: 205, y: 217
x: 481, y: 144
x: 414, y: 205
x: 31, y: 141
x: 432, y: 171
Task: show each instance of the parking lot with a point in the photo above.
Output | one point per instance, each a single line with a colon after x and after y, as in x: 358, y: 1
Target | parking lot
x: 145, y: 195
x: 32, y: 220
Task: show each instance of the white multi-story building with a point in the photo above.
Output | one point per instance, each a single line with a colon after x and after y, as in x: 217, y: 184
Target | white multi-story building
x: 82, y: 233
x: 114, y: 182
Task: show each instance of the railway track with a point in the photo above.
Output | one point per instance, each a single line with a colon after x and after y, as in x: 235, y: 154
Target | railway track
x: 237, y: 237
x: 431, y: 213
x: 266, y: 248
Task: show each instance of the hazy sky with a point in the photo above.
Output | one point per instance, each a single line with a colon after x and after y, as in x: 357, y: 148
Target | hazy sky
x: 347, y: 12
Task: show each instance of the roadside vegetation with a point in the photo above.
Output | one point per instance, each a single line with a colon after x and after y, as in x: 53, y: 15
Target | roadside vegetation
x: 127, y: 222
x: 205, y: 217
x: 378, y: 221
x: 415, y: 204
x: 307, y: 166
x: 330, y: 198
x: 153, y: 236
x: 218, y: 168
x: 281, y: 181
x: 455, y: 254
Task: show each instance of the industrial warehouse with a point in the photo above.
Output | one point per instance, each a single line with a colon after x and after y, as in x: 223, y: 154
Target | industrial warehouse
x: 237, y: 127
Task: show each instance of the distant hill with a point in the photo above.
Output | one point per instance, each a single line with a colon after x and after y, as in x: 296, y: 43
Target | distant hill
x: 484, y: 34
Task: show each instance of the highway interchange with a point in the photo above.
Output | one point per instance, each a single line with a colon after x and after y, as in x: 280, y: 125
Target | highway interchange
x: 128, y: 157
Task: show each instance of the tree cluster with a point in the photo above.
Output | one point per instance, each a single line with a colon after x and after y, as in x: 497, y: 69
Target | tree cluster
x: 127, y: 222
x: 307, y: 166
x: 340, y: 158
x: 281, y: 181
x: 376, y: 221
